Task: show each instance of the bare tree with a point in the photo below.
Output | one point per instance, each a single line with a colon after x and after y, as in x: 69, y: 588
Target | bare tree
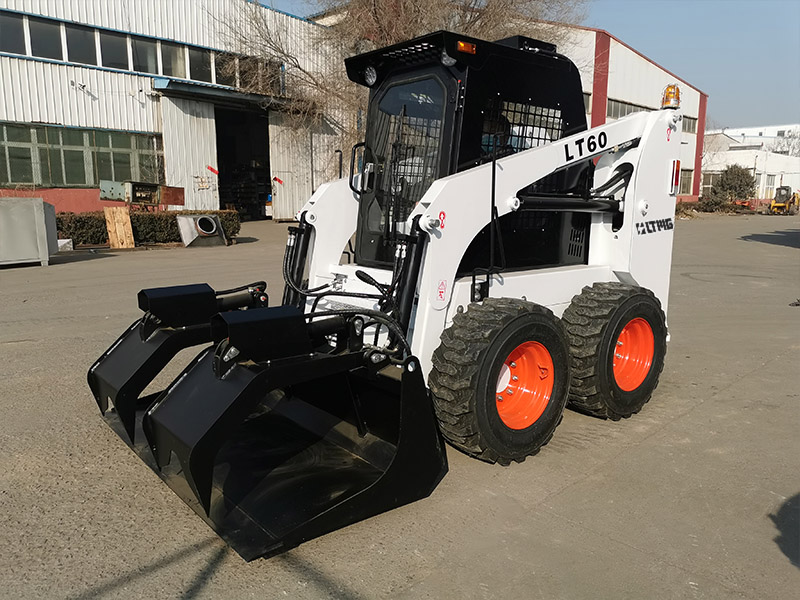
x: 361, y: 24
x: 306, y: 77
x: 788, y: 144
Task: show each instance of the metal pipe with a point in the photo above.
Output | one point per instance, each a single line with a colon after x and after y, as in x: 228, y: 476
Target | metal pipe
x: 492, y: 209
x: 341, y: 154
x: 568, y: 204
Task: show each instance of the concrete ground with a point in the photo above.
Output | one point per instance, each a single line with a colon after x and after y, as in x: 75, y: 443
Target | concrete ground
x: 696, y: 497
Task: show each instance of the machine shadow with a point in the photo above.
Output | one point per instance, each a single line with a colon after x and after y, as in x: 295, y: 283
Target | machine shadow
x: 244, y: 240
x: 787, y: 520
x: 788, y: 237
x: 80, y: 256
x: 320, y: 580
x: 150, y: 568
x: 61, y: 259
x: 205, y: 575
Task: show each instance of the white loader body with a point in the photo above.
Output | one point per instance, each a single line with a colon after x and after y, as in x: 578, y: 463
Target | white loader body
x: 457, y: 207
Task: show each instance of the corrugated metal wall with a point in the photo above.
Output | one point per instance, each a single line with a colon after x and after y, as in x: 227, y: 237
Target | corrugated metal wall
x: 294, y: 154
x: 578, y: 45
x: 289, y: 152
x: 84, y: 97
x: 190, y: 147
x: 633, y: 78
x: 35, y: 91
x: 211, y: 23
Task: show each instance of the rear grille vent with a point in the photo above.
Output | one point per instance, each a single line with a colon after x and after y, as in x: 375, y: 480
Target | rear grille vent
x: 577, y: 242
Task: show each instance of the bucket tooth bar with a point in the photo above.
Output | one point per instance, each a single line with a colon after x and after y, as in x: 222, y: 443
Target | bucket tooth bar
x: 175, y: 318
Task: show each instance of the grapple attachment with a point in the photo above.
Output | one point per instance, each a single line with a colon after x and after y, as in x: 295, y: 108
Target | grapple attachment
x: 175, y: 318
x: 280, y: 434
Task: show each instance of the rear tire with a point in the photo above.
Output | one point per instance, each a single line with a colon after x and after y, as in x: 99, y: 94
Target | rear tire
x: 505, y: 348
x: 618, y: 341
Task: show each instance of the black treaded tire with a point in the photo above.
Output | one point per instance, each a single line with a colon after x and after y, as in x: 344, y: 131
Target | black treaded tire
x: 465, y: 372
x: 594, y: 320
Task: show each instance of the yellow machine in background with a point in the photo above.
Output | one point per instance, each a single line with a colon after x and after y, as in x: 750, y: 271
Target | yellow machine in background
x: 784, y: 202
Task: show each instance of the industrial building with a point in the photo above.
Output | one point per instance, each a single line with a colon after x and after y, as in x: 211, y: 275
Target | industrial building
x: 107, y: 90
x: 763, y: 135
x: 112, y: 90
x: 619, y: 80
x: 771, y: 170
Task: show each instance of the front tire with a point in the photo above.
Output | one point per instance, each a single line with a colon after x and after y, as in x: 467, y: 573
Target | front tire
x: 500, y: 379
x: 618, y: 341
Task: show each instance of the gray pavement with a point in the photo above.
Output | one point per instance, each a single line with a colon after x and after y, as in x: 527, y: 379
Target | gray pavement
x: 696, y: 497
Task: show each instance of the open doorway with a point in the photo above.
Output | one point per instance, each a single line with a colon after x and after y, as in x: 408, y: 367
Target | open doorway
x: 243, y: 161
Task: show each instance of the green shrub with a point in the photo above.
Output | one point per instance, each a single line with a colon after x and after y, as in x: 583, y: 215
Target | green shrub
x: 154, y: 228
x: 148, y: 227
x: 734, y: 183
x: 715, y: 203
x: 84, y: 228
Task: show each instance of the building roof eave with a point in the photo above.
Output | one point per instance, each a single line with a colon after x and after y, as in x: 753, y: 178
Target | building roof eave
x: 211, y: 93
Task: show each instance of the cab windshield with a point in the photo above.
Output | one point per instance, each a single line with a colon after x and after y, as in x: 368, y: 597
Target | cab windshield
x: 403, y: 156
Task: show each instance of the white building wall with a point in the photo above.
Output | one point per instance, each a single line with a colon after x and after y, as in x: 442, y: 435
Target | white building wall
x: 53, y: 92
x: 578, y: 45
x: 762, y: 131
x: 40, y: 92
x: 190, y: 147
x: 784, y: 169
x: 210, y: 23
x: 634, y: 79
x: 302, y: 162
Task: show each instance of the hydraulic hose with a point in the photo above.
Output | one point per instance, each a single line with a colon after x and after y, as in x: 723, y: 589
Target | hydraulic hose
x: 288, y: 280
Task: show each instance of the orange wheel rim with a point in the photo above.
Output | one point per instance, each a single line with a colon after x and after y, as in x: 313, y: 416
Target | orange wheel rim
x: 633, y: 354
x: 524, y: 385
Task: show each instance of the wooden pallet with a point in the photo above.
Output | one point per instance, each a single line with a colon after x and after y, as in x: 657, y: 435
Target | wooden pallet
x: 118, y: 224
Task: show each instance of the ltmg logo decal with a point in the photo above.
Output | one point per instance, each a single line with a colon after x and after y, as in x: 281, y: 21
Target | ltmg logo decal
x: 654, y: 226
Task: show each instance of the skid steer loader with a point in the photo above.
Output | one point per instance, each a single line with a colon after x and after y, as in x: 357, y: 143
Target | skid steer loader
x: 784, y: 202
x: 503, y: 260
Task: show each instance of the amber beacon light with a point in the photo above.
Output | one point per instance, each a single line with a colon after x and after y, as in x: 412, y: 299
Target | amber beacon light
x: 671, y: 98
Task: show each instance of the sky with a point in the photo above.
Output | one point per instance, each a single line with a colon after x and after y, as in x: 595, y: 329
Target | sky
x: 745, y: 54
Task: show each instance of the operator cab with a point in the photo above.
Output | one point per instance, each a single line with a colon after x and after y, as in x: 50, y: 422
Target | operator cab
x: 444, y: 103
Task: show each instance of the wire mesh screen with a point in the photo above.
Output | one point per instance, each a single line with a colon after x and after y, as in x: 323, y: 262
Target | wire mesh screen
x: 521, y: 126
x: 532, y: 126
x: 412, y: 161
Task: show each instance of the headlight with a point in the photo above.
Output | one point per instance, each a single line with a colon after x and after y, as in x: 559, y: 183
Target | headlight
x: 370, y: 76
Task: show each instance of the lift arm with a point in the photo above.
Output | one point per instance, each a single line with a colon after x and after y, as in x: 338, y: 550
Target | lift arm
x: 456, y: 208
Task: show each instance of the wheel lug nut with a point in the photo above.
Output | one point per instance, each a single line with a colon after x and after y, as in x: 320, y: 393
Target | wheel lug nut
x: 509, y: 391
x: 618, y: 355
x: 514, y: 378
x: 499, y: 398
x: 513, y: 365
x: 619, y: 343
